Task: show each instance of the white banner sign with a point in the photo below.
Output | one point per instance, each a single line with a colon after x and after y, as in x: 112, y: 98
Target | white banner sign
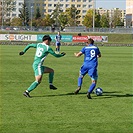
x: 99, y: 38
x: 18, y: 37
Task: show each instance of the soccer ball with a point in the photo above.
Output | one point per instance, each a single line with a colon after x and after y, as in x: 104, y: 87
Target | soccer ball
x: 98, y: 91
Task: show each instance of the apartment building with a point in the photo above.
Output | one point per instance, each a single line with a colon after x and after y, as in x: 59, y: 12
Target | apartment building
x: 17, y: 6
x: 32, y: 6
x: 129, y: 13
x: 47, y: 6
x: 111, y: 13
x: 11, y: 10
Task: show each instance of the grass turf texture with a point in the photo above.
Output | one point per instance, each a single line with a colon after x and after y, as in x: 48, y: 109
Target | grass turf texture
x: 60, y: 111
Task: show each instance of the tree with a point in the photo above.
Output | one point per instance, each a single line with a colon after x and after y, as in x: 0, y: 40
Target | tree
x: 55, y: 15
x: 16, y: 22
x: 97, y: 19
x: 63, y: 19
x: 88, y: 19
x: 116, y: 18
x: 72, y: 15
x: 24, y: 15
x: 48, y: 21
x: 104, y: 21
x: 38, y: 14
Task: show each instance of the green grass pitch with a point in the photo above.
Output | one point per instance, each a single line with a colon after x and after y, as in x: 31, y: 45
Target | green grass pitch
x: 60, y: 111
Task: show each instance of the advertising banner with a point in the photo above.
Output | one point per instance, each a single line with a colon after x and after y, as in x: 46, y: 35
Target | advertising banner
x: 65, y: 38
x: 18, y: 37
x: 99, y: 38
x: 80, y: 38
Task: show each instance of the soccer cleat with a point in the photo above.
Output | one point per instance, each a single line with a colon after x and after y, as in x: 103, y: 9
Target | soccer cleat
x: 26, y: 94
x: 52, y: 87
x: 77, y: 90
x: 89, y: 95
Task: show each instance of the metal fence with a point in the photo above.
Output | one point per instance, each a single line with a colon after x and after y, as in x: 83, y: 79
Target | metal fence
x: 67, y: 29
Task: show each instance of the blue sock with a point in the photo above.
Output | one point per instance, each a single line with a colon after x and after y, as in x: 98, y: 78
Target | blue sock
x: 80, y: 79
x: 92, y: 86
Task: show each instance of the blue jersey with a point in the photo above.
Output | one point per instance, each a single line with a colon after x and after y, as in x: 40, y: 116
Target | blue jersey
x: 58, y: 38
x: 90, y: 55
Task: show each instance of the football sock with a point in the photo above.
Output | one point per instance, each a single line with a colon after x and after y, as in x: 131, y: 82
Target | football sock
x: 51, y: 77
x: 33, y: 86
x: 92, y: 86
x: 80, y: 79
x: 56, y: 49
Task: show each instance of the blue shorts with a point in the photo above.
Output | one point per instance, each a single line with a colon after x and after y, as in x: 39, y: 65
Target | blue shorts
x: 92, y: 72
x: 58, y: 43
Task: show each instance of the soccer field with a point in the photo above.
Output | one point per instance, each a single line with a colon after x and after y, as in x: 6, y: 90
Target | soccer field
x: 60, y: 111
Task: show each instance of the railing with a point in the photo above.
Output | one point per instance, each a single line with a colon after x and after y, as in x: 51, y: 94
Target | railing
x: 67, y: 29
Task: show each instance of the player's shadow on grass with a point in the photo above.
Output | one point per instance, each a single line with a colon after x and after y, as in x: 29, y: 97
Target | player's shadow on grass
x: 105, y: 94
x: 115, y: 94
x: 64, y: 94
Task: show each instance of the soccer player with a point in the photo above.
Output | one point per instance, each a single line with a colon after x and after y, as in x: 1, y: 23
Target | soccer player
x: 91, y: 54
x: 42, y: 50
x: 58, y: 43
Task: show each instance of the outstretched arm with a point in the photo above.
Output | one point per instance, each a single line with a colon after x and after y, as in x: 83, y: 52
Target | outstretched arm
x: 27, y: 47
x: 78, y: 54
x: 54, y: 54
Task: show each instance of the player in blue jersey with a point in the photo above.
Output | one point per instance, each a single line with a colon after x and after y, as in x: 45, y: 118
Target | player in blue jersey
x: 58, y: 42
x: 42, y: 50
x: 91, y: 54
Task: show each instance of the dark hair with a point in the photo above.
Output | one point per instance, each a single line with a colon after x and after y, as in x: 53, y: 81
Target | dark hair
x: 46, y: 37
x: 91, y: 40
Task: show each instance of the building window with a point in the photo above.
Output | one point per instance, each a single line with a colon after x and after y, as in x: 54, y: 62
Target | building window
x: 78, y: 0
x: 49, y: 10
x: 20, y: 4
x: 84, y: 11
x: 84, y: 5
x: 44, y: 5
x: 13, y: 15
x: 89, y: 6
x: 78, y: 5
x: 14, y: 3
x: 38, y: 4
x: 32, y: 4
x: 84, y: 0
x: 67, y: 5
x: 61, y: 5
x: 8, y: 14
x: 73, y: 0
x: 49, y: 5
x: 44, y: 10
x: 90, y: 0
x: 14, y: 9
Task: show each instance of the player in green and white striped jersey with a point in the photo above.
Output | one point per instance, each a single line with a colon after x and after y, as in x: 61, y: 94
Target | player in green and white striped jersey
x: 42, y: 50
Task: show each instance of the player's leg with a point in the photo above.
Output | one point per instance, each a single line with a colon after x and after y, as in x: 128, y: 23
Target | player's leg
x: 33, y: 85
x: 56, y: 48
x: 59, y: 47
x: 51, y: 77
x: 94, y: 78
x: 38, y: 77
x: 82, y: 73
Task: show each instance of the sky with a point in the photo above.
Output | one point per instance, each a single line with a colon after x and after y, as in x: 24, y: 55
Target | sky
x: 110, y: 4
